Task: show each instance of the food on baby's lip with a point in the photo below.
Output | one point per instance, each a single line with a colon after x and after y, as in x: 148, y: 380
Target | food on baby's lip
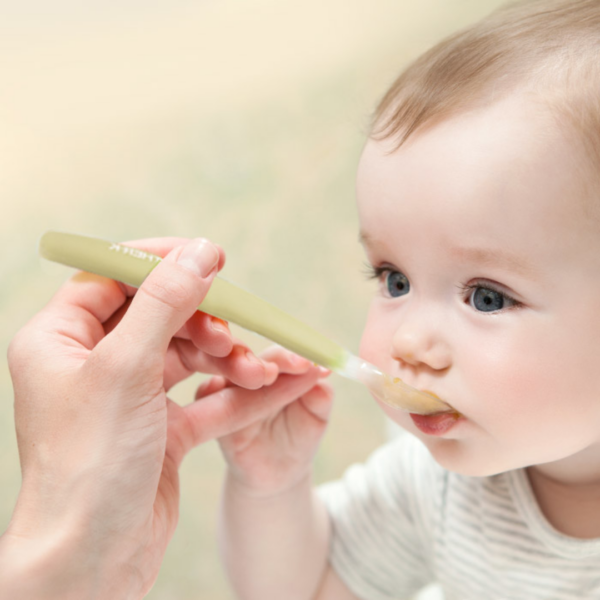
x: 452, y: 411
x: 394, y: 392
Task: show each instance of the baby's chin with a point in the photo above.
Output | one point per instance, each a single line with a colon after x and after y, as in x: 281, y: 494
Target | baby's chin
x: 461, y: 458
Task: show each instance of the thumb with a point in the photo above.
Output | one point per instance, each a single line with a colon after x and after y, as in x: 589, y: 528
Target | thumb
x: 167, y: 298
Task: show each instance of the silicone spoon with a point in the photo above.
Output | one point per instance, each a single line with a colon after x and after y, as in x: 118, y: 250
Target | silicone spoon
x: 231, y: 303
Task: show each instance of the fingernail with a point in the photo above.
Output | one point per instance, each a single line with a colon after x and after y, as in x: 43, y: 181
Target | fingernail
x: 199, y: 256
x: 219, y: 325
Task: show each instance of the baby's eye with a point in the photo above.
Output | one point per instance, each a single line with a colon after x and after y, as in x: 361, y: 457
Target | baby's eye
x: 487, y: 299
x: 397, y: 284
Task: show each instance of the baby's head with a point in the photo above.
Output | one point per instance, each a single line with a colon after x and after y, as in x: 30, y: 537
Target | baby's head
x: 479, y: 204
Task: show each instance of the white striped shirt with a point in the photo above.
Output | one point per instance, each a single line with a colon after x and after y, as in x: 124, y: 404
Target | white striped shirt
x: 401, y: 521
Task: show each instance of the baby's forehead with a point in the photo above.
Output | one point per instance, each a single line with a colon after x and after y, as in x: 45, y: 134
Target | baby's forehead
x: 520, y: 118
x: 514, y: 136
x: 505, y: 167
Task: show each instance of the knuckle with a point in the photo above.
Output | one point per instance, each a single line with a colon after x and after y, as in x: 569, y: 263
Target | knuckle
x: 274, y: 351
x: 325, y: 388
x: 237, y: 410
x: 116, y: 361
x: 229, y: 413
x: 170, y: 292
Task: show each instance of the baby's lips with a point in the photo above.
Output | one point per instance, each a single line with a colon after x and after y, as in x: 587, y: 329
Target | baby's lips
x: 436, y: 424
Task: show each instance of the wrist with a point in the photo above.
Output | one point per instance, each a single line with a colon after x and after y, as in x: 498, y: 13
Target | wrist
x: 61, y: 566
x: 70, y: 545
x: 252, y: 492
x: 266, y: 490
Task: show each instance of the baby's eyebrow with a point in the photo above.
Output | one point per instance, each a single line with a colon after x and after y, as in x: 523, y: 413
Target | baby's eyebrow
x: 366, y: 240
x: 494, y: 257
x: 486, y: 257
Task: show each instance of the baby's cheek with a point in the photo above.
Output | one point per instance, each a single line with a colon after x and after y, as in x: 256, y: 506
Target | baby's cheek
x: 506, y: 384
x: 375, y: 342
x: 520, y: 395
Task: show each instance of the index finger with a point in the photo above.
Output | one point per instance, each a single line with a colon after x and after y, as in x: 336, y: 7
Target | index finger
x: 95, y: 298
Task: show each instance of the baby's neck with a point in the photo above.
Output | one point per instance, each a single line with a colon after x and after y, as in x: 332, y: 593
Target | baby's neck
x: 568, y: 493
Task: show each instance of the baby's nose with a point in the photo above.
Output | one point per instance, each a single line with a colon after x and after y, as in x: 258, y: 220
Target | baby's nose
x: 421, y: 343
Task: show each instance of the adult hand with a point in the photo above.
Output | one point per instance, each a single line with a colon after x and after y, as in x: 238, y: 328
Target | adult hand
x: 99, y: 441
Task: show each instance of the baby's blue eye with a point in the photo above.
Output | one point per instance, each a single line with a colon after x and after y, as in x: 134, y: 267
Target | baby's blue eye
x: 487, y: 300
x: 397, y: 284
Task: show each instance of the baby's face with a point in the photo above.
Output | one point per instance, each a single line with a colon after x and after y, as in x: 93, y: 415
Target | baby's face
x: 489, y: 287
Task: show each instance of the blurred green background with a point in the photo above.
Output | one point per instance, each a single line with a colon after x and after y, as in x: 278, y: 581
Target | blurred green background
x: 237, y: 120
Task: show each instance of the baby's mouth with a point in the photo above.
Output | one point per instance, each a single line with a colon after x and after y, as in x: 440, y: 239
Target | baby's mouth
x: 394, y: 392
x: 436, y: 424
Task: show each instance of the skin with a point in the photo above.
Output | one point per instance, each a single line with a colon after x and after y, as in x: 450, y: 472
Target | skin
x: 444, y: 210
x: 500, y: 179
x: 100, y: 442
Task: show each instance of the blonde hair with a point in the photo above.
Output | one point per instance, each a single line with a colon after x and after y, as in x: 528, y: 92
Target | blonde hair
x: 550, y: 47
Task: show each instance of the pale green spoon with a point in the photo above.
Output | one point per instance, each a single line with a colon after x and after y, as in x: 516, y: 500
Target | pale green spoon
x: 231, y: 303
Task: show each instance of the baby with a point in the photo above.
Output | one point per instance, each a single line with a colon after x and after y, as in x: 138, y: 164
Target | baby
x: 479, y: 205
